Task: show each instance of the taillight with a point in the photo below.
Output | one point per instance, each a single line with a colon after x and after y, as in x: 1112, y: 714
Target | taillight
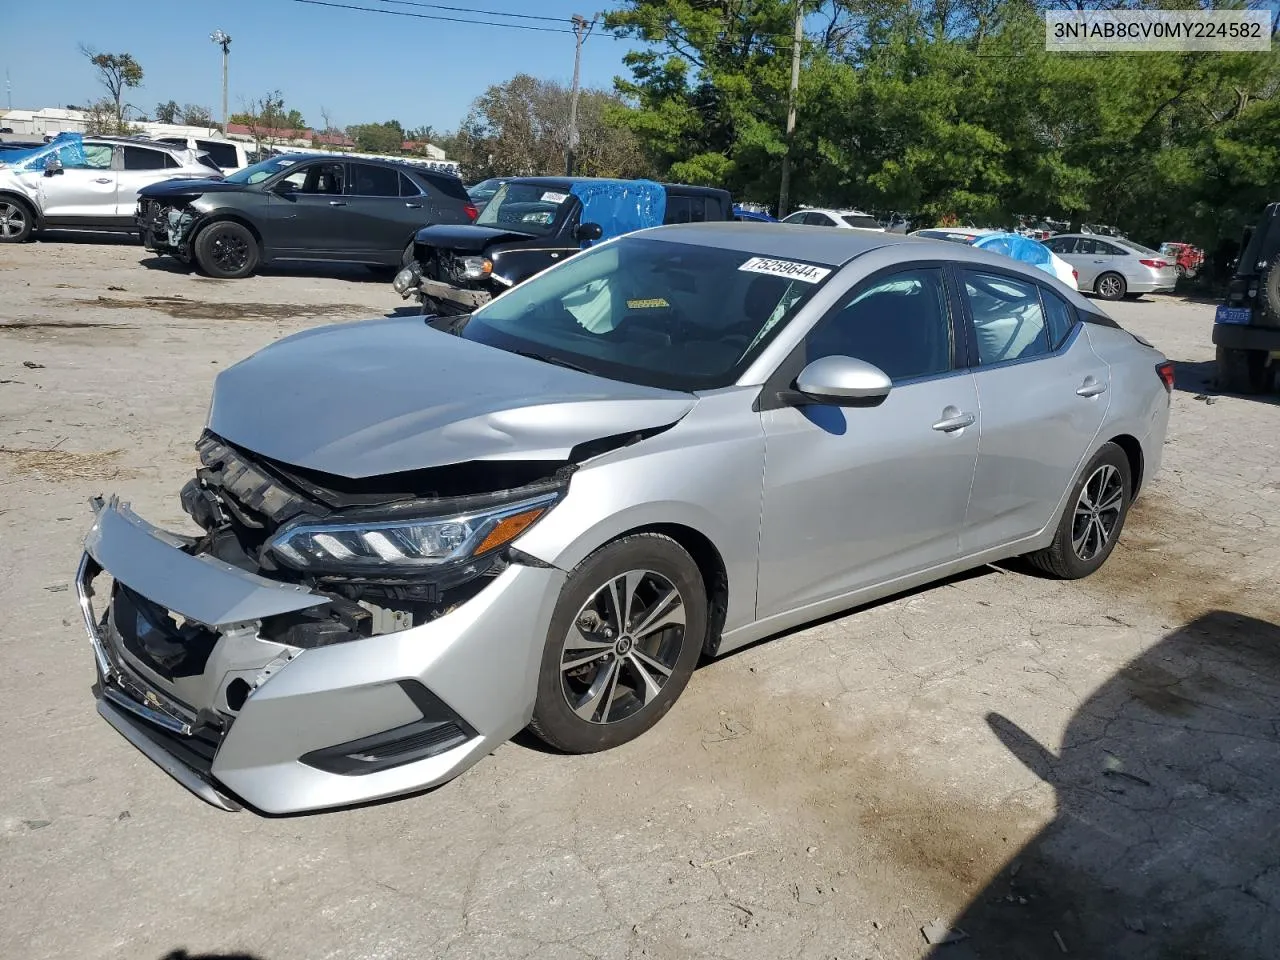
x: 1165, y: 372
x: 1154, y: 264
x: 1075, y: 274
x: 471, y: 211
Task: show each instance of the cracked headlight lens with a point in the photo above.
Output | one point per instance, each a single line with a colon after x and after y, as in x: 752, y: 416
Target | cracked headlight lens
x: 408, y: 545
x: 476, y: 268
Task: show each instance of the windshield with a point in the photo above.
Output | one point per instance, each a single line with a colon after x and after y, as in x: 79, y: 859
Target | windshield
x: 260, y: 171
x: 651, y: 312
x: 527, y: 207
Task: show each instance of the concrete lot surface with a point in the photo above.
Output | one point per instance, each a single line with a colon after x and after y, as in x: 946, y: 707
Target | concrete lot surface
x: 1088, y: 769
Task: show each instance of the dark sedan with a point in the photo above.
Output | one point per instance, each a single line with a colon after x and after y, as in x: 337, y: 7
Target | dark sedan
x: 300, y: 207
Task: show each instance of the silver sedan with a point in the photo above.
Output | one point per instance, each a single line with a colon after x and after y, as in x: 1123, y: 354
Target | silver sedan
x: 1113, y: 267
x: 421, y: 536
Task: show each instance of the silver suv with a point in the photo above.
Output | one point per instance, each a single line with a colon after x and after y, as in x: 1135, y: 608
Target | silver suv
x: 87, y: 183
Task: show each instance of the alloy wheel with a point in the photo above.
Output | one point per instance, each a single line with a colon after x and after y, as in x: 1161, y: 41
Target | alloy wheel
x: 13, y: 220
x: 1097, y: 513
x: 229, y: 251
x: 1110, y: 286
x: 622, y: 647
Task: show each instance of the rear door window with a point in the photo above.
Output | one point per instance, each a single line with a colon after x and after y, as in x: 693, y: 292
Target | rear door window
x: 368, y: 180
x: 140, y: 158
x: 408, y: 188
x: 678, y: 210
x: 1007, y: 317
x: 1060, y: 316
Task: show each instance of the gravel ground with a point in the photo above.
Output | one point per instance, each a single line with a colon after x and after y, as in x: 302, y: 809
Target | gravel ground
x: 1088, y: 769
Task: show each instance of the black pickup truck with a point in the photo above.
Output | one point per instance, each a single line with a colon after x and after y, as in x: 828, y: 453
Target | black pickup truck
x: 530, y: 224
x: 1246, y: 327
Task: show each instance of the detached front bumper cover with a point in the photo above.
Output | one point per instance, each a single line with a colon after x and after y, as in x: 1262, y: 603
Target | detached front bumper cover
x: 314, y: 728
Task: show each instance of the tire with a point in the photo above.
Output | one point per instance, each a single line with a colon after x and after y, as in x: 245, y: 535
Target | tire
x: 1269, y: 293
x: 1110, y: 286
x: 617, y: 694
x: 1180, y: 270
x: 17, y: 220
x: 1076, y: 551
x: 1243, y: 371
x: 226, y: 250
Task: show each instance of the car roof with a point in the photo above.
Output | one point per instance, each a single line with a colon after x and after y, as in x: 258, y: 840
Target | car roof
x: 785, y: 241
x: 564, y: 183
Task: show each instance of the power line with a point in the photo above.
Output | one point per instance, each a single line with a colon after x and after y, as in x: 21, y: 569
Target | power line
x: 428, y: 16
x: 485, y: 13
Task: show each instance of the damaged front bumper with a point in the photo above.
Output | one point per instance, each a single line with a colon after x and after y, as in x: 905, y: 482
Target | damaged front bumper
x: 186, y: 674
x: 165, y: 229
x: 411, y: 284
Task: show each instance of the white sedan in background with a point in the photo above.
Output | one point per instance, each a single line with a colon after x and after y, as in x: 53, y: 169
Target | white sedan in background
x: 845, y: 219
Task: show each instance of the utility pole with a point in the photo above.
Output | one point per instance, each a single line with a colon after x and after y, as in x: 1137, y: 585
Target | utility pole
x: 8, y: 83
x: 784, y: 194
x: 224, y: 41
x: 581, y: 30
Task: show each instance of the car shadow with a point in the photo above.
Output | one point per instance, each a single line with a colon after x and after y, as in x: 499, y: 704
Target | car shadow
x: 351, y: 272
x: 1166, y: 841
x: 185, y: 955
x: 1201, y: 379
x: 88, y: 237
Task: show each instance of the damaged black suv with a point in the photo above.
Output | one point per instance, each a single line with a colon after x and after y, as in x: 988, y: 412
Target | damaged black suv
x: 326, y: 207
x: 532, y: 223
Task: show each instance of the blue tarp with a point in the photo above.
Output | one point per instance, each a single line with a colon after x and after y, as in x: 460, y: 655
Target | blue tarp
x: 68, y: 146
x: 620, y: 206
x: 1019, y: 248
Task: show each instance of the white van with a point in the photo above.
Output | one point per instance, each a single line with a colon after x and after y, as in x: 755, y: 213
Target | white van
x: 227, y: 154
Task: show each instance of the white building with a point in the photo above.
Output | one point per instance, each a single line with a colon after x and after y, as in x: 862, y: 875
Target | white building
x: 50, y: 120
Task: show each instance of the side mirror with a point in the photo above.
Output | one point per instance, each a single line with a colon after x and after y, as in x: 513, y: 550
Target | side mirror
x: 842, y: 382
x: 587, y: 232
x: 52, y: 166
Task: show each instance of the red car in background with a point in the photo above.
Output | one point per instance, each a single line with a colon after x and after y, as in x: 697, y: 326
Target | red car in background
x: 1187, y: 259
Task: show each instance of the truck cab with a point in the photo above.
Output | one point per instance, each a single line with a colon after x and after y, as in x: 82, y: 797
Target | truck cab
x: 1246, y: 328
x: 532, y: 223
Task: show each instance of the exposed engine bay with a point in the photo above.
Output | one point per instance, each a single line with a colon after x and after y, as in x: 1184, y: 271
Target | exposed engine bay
x: 242, y: 502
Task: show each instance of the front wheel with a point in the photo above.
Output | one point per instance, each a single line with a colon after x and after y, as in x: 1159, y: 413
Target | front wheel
x: 16, y: 221
x: 1095, y: 515
x: 625, y: 636
x: 226, y: 250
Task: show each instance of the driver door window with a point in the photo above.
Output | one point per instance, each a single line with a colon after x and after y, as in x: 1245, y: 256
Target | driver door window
x: 899, y: 323
x: 323, y: 179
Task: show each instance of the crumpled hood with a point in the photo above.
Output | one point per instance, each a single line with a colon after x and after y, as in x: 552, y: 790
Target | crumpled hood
x: 385, y: 396
x: 187, y: 187
x: 466, y: 237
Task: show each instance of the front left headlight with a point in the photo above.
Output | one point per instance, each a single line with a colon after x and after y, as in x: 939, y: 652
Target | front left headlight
x: 476, y: 268
x: 408, y: 546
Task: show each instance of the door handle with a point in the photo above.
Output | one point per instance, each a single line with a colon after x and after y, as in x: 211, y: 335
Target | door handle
x: 414, y: 206
x: 102, y: 180
x: 337, y: 203
x: 953, y: 419
x: 1091, y: 387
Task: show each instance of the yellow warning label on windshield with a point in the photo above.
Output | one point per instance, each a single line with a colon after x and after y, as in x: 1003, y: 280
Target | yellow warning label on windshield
x: 655, y: 303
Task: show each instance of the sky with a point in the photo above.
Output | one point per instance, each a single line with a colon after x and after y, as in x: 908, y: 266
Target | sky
x: 361, y: 67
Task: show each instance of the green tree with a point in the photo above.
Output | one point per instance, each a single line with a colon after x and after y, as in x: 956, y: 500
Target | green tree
x: 117, y: 72
x: 167, y: 112
x: 384, y: 137
x: 194, y: 115
x: 268, y: 120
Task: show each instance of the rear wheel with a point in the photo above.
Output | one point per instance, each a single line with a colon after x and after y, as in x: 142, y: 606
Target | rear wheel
x: 226, y: 250
x: 1243, y: 371
x: 624, y: 639
x: 1110, y: 286
x: 1095, y: 515
x: 17, y: 222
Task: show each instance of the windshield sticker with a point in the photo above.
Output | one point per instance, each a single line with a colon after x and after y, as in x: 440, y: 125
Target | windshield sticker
x: 655, y: 303
x: 552, y: 197
x: 790, y: 269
